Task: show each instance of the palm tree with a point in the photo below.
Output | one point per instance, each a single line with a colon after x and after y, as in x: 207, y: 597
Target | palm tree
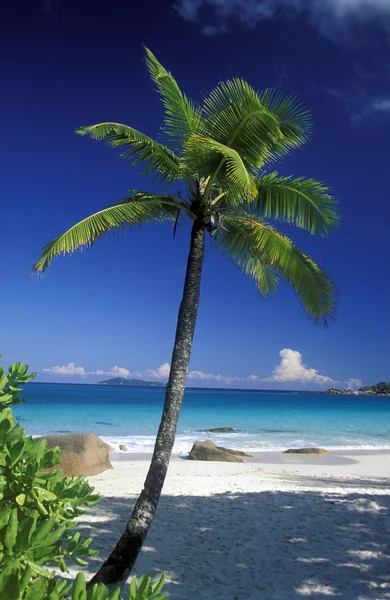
x: 217, y: 155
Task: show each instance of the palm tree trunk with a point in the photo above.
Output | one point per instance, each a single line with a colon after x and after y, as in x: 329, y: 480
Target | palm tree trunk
x: 123, y: 557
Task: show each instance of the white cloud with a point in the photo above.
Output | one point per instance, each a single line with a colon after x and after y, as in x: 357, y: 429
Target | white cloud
x: 254, y: 378
x: 188, y: 9
x: 358, y: 102
x: 354, y: 383
x: 71, y: 369
x: 114, y: 372
x: 204, y: 376
x: 162, y: 372
x: 292, y: 369
x: 226, y: 379
x: 331, y: 17
x: 381, y: 105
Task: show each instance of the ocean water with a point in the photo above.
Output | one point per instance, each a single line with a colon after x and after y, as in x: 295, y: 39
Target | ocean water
x: 263, y: 420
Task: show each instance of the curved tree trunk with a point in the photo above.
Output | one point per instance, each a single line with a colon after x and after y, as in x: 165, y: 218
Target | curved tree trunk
x: 125, y: 553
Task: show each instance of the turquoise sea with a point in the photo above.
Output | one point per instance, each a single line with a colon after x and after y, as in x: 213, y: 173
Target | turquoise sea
x: 264, y: 420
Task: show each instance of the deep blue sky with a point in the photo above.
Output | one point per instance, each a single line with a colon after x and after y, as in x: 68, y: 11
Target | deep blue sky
x: 68, y: 63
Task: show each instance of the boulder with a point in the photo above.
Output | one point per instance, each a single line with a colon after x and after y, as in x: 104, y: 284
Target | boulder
x: 209, y: 451
x: 81, y: 453
x: 305, y: 451
x: 123, y: 448
x: 221, y: 430
x: 234, y: 452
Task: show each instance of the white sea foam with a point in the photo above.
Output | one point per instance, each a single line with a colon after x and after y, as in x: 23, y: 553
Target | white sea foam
x: 145, y: 444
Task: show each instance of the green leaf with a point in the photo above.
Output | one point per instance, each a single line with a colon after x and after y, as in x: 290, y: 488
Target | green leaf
x: 295, y: 121
x: 182, y: 116
x: 157, y: 158
x: 133, y: 588
x: 236, y: 117
x: 87, y: 232
x: 10, y: 581
x: 43, y: 529
x: 38, y: 570
x: 116, y: 594
x: 20, y: 499
x: 16, y: 451
x: 51, y: 538
x: 37, y: 590
x: 26, y: 577
x: 11, y: 531
x: 3, y: 381
x: 304, y: 203
x: 201, y: 151
x: 26, y: 529
x: 158, y: 585
x: 251, y: 241
x: 5, y: 513
x: 80, y: 561
x: 51, y: 458
x: 44, y: 495
x: 79, y: 588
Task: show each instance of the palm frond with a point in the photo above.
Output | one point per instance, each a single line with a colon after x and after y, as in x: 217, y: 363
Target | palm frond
x: 158, y: 159
x: 130, y: 211
x: 237, y: 246
x: 302, y: 202
x: 220, y: 162
x: 267, y: 280
x: 239, y: 249
x: 182, y: 116
x: 236, y: 117
x: 247, y: 240
x: 295, y: 120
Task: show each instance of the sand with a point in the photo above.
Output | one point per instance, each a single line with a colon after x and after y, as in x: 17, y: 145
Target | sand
x: 276, y: 528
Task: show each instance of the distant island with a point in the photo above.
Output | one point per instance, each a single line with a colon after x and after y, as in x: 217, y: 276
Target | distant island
x: 131, y: 382
x: 380, y: 389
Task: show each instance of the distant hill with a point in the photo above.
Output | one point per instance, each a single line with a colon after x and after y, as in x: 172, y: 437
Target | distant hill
x: 131, y: 382
x: 380, y: 389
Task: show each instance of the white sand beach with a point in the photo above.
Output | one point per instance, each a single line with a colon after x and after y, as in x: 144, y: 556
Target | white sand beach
x: 281, y: 527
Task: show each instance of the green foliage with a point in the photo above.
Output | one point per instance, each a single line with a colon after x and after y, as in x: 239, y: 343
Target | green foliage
x: 217, y: 152
x: 146, y: 590
x: 17, y: 583
x: 37, y: 511
x: 380, y: 388
x: 304, y: 202
x: 139, y: 208
x: 243, y: 237
x: 38, y: 505
x: 9, y: 384
x: 182, y: 116
x: 383, y: 386
x: 142, y: 150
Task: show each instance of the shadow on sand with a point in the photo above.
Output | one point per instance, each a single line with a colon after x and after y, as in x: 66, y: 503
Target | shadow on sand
x: 261, y: 546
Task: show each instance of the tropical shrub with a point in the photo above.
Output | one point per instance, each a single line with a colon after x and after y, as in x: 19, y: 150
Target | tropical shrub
x: 38, y: 505
x: 10, y: 382
x: 37, y: 511
x: 19, y: 586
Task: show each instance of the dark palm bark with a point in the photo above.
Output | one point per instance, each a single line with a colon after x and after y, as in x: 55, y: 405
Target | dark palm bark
x: 125, y: 553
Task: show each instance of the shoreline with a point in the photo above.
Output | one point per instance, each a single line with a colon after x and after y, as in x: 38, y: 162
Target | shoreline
x: 350, y: 463
x: 182, y: 447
